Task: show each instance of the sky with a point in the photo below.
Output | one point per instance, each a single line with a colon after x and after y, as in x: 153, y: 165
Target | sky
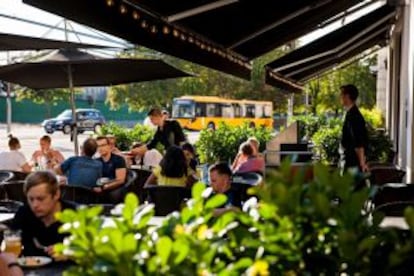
x: 15, y: 8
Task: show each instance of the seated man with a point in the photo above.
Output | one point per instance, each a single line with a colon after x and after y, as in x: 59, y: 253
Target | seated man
x: 220, y: 180
x: 113, y: 168
x: 150, y: 158
x: 47, y: 157
x: 36, y: 220
x: 82, y: 170
x: 252, y: 163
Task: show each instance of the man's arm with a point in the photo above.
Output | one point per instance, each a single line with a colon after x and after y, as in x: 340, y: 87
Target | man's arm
x: 178, y: 133
x: 120, y: 177
x: 360, y: 153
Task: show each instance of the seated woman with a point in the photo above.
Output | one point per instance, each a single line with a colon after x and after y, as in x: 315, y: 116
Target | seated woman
x: 150, y: 158
x: 239, y: 159
x: 14, y: 160
x: 47, y: 157
x: 252, y: 163
x: 189, y: 154
x: 172, y: 170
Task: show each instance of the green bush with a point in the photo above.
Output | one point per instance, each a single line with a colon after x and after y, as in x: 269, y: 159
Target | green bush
x: 373, y: 117
x: 223, y: 143
x: 299, y: 226
x: 125, y: 137
x: 326, y: 143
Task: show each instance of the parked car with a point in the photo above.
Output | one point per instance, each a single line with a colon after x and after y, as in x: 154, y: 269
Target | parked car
x: 88, y: 119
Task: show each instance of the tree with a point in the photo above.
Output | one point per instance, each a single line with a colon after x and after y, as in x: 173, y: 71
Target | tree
x: 324, y: 90
x: 139, y: 96
x: 48, y: 97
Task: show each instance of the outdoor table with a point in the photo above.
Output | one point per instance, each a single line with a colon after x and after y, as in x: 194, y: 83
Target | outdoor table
x: 395, y: 222
x: 52, y: 269
x: 6, y: 216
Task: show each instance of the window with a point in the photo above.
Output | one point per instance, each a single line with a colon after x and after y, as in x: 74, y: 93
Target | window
x: 200, y: 110
x: 237, y: 110
x: 183, y: 109
x: 227, y: 111
x: 250, y: 111
x: 213, y: 110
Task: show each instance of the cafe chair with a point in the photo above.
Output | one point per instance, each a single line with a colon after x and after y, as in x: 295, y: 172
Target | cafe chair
x: 12, y: 190
x: 137, y: 186
x: 383, y: 175
x: 394, y: 209
x: 241, y: 182
x: 392, y: 197
x: 78, y: 194
x: 9, y: 206
x: 5, y: 176
x: 167, y: 198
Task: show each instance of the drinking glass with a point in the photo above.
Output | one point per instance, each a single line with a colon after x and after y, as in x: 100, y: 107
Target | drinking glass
x: 12, y: 242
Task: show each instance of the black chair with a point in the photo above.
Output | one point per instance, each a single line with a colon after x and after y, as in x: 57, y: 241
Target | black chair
x: 5, y: 176
x: 137, y: 187
x: 241, y: 182
x: 13, y: 190
x: 9, y: 206
x: 393, y: 198
x: 79, y: 194
x: 383, y: 175
x: 167, y: 198
x: 18, y: 175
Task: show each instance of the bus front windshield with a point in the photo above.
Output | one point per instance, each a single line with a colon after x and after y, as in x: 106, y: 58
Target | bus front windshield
x: 183, y: 109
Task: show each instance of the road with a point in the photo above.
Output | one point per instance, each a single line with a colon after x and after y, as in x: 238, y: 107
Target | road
x: 29, y: 135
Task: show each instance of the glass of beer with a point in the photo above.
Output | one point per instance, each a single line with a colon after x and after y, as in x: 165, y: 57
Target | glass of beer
x: 12, y: 242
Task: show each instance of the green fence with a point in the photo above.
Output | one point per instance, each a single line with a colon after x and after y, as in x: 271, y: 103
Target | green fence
x: 28, y: 112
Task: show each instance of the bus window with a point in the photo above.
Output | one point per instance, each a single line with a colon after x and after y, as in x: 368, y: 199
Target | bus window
x: 259, y: 111
x: 200, y: 110
x: 237, y: 110
x: 267, y: 111
x: 227, y: 111
x: 250, y: 111
x: 183, y: 109
x: 213, y: 110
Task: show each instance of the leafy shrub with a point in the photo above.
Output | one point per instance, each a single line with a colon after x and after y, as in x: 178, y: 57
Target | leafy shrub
x: 299, y: 226
x: 373, y: 117
x: 125, y: 137
x: 187, y: 243
x: 326, y: 143
x: 223, y: 143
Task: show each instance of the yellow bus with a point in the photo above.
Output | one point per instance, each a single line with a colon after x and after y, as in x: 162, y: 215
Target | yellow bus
x: 200, y: 112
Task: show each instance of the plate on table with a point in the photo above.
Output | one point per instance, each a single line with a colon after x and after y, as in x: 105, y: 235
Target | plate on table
x: 34, y: 261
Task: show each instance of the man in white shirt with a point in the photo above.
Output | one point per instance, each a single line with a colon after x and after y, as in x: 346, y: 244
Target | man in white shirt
x: 151, y: 158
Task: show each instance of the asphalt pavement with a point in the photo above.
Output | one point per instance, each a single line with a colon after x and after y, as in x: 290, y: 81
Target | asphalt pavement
x: 29, y: 135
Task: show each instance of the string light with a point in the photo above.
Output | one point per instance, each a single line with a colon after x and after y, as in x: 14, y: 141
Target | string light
x: 183, y: 37
x: 176, y: 33
x: 123, y: 9
x: 166, y: 30
x: 154, y: 29
x: 110, y: 3
x: 135, y: 15
x: 190, y: 39
x: 144, y: 24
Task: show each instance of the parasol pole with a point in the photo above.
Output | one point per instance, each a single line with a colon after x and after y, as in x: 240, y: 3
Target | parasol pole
x: 74, y: 132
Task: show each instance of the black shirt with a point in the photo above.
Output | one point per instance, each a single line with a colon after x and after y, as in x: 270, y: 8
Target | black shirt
x: 171, y: 134
x: 354, y: 135
x: 109, y: 167
x: 32, y: 227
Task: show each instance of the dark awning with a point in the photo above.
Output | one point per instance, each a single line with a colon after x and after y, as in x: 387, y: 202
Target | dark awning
x: 13, y: 42
x: 221, y: 34
x: 336, y: 47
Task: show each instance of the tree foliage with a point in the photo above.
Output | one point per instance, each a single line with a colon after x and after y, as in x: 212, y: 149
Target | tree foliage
x: 324, y: 90
x: 205, y: 82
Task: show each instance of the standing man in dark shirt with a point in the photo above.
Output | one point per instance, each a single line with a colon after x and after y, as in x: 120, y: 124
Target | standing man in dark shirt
x: 169, y: 132
x: 37, y: 219
x: 354, y: 139
x: 113, y: 168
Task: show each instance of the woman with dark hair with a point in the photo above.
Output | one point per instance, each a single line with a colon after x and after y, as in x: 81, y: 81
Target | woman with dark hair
x: 189, y: 154
x: 172, y: 170
x: 14, y: 160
